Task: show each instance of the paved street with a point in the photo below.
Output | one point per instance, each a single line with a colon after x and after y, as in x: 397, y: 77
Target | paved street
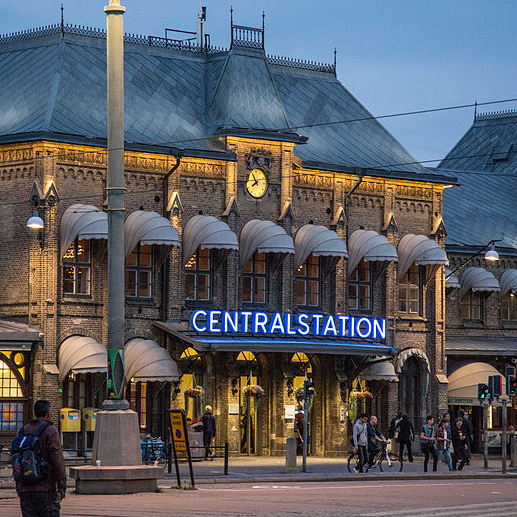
x: 453, y: 498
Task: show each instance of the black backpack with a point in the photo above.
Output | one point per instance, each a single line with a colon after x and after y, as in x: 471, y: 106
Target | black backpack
x: 28, y: 465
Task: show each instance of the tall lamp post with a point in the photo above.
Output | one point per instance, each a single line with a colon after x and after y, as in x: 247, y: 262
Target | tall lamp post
x: 115, y: 195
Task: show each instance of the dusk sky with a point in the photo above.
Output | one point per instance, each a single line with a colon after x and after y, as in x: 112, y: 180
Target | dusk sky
x: 394, y: 56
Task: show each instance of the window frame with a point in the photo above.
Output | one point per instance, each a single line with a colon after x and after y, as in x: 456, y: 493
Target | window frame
x: 254, y: 276
x: 75, y: 265
x: 139, y: 268
x: 355, y: 281
x: 512, y: 300
x: 196, y: 272
x: 306, y: 279
x: 473, y: 296
x: 408, y: 286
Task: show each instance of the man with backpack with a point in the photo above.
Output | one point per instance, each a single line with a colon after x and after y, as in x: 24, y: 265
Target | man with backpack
x: 38, y: 465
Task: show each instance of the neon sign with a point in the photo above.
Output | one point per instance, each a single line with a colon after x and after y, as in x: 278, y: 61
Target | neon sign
x: 245, y: 322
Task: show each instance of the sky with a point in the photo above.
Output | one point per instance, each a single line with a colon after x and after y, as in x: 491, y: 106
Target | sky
x: 393, y: 55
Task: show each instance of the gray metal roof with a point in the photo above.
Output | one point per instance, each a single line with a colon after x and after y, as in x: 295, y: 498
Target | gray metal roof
x: 18, y: 336
x: 54, y: 85
x: 481, y: 345
x: 483, y: 207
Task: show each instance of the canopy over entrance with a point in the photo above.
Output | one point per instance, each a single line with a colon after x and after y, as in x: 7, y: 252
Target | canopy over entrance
x: 380, y: 370
x: 463, y: 383
x: 83, y: 222
x: 146, y: 360
x: 81, y: 354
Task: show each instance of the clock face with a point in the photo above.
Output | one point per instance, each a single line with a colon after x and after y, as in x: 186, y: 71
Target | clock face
x: 257, y: 183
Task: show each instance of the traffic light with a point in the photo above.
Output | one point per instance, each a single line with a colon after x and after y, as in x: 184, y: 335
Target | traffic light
x: 308, y: 389
x: 495, y: 385
x: 483, y: 392
x: 511, y: 380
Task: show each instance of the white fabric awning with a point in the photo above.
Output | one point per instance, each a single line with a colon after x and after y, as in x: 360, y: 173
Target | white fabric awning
x: 509, y: 282
x: 84, y: 222
x: 370, y: 247
x: 452, y: 280
x: 319, y: 241
x: 146, y: 360
x: 406, y: 354
x: 264, y: 237
x: 421, y: 251
x: 478, y: 279
x: 207, y: 232
x: 81, y: 354
x: 148, y: 228
x: 380, y: 371
x: 463, y: 383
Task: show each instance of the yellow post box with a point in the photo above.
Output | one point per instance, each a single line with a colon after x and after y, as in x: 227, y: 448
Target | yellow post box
x: 70, y: 420
x: 89, y: 418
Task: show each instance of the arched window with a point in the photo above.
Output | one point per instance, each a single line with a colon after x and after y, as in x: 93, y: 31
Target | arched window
x: 509, y: 307
x: 11, y: 393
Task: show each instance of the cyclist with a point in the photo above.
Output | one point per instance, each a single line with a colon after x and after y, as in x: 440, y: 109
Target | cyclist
x: 374, y: 436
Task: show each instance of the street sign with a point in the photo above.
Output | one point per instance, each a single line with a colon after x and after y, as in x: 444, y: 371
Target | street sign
x: 178, y: 429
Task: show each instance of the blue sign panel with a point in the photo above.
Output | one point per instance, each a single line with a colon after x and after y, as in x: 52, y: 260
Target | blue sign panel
x: 287, y: 324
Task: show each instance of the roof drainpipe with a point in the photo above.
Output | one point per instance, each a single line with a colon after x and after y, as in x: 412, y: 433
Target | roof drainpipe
x: 178, y: 154
x: 347, y: 198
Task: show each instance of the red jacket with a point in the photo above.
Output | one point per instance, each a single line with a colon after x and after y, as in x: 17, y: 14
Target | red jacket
x: 50, y: 452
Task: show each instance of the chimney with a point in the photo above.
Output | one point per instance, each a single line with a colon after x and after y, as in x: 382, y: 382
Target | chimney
x: 201, y: 18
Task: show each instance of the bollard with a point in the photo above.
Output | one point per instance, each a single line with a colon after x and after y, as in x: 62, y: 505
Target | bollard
x: 226, y: 451
x: 290, y: 456
x: 169, y: 458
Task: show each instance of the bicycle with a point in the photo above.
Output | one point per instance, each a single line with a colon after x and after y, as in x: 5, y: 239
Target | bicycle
x: 153, y: 451
x: 385, y: 460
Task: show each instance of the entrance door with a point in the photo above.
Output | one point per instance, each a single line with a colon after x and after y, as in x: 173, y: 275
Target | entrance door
x: 248, y: 405
x: 304, y: 371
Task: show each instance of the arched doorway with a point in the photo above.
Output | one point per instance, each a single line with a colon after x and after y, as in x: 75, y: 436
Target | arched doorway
x: 410, y: 391
x: 248, y: 366
x: 192, y: 384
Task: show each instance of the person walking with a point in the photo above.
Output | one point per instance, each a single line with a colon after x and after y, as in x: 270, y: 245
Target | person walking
x: 428, y: 442
x: 406, y: 435
x: 460, y: 445
x: 443, y: 443
x: 42, y: 497
x: 208, y: 420
x: 360, y: 439
x: 468, y: 430
x: 393, y: 426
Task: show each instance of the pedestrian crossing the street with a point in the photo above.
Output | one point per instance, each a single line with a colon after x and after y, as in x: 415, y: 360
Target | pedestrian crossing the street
x: 500, y: 508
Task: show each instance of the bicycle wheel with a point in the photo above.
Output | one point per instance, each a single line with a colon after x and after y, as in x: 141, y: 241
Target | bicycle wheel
x: 353, y: 461
x: 390, y: 464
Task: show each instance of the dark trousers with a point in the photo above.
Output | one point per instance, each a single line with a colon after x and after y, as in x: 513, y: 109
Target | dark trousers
x: 362, y: 450
x: 407, y: 443
x: 460, y: 453
x: 428, y: 449
x: 39, y: 504
x: 207, y: 440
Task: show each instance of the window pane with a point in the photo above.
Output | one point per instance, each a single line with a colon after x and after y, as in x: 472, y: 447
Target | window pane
x: 413, y: 307
x: 364, y: 297
x: 130, y: 283
x: 301, y: 270
x: 300, y: 292
x: 260, y: 290
x: 83, y: 280
x: 313, y: 266
x: 11, y: 415
x: 260, y: 263
x: 131, y: 260
x: 364, y: 271
x: 203, y: 287
x: 144, y: 284
x: 145, y: 256
x: 246, y: 289
x: 352, y: 296
x: 190, y: 287
x: 204, y: 260
x: 83, y: 251
x: 248, y: 267
x: 403, y: 306
x: 313, y: 293
x: 68, y: 280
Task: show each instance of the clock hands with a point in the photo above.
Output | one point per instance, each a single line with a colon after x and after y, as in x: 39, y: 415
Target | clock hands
x: 254, y: 179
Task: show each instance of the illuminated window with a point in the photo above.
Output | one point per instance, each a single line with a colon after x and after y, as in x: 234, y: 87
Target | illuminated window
x: 308, y: 283
x: 254, y: 279
x: 11, y: 408
x: 139, y: 272
x: 409, y: 291
x: 509, y: 307
x: 77, y: 268
x: 472, y: 306
x: 138, y: 401
x: 247, y: 356
x: 359, y: 287
x: 198, y: 276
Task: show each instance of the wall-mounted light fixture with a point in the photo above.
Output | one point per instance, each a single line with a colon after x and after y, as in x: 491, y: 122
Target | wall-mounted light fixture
x: 491, y: 255
x: 35, y: 222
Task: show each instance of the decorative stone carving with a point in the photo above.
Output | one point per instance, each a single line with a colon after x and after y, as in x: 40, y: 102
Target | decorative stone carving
x: 259, y: 158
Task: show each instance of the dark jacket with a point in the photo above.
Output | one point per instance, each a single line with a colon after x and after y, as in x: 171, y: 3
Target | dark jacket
x: 467, y: 428
x: 405, y: 429
x: 456, y: 437
x: 50, y: 447
x: 208, y: 420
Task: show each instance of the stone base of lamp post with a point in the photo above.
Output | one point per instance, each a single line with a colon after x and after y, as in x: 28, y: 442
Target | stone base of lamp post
x: 116, y: 460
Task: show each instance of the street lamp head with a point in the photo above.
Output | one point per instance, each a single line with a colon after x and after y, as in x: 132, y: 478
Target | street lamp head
x: 35, y: 222
x: 491, y: 254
